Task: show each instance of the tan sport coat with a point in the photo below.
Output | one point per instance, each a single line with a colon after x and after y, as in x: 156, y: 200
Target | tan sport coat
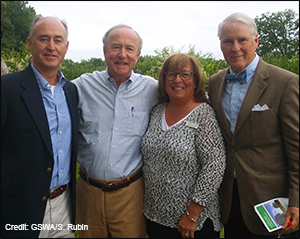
x: 264, y: 148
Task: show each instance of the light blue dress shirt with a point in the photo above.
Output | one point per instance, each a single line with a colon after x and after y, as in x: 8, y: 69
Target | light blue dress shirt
x: 59, y: 125
x: 234, y: 94
x: 112, y: 122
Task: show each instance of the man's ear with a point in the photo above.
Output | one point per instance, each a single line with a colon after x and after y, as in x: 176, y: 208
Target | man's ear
x: 29, y: 43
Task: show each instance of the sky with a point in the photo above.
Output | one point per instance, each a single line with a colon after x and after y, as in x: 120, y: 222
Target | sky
x: 176, y: 24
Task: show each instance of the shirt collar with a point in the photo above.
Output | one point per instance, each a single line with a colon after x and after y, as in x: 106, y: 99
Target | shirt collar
x: 133, y: 77
x: 43, y: 83
x: 250, y: 68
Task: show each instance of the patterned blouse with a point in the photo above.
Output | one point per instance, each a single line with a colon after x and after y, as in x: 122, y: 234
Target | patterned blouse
x: 184, y: 163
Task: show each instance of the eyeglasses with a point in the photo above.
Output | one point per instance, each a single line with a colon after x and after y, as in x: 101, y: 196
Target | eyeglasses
x: 184, y: 75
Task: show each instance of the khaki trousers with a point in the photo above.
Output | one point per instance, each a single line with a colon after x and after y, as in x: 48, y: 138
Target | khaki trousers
x: 58, y: 217
x: 114, y: 214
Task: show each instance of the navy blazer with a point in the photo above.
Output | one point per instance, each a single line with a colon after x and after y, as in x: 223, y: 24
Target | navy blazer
x: 26, y: 152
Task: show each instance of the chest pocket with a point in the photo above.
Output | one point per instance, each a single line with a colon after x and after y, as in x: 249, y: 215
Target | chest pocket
x: 137, y: 123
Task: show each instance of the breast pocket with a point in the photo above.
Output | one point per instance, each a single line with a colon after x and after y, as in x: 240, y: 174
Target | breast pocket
x: 263, y: 128
x: 137, y: 123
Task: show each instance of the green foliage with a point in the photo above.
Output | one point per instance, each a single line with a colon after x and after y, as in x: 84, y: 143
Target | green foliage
x: 210, y: 65
x: 278, y: 33
x: 15, y: 21
x: 16, y: 60
x: 145, y: 64
x: 284, y: 62
x: 72, y: 70
x: 151, y: 65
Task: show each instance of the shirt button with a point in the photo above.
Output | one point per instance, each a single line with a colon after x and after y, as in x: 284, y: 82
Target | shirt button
x: 233, y: 107
x: 60, y: 171
x: 116, y: 129
x: 60, y: 132
x: 117, y: 111
x: 110, y: 164
x: 113, y: 147
x: 60, y: 151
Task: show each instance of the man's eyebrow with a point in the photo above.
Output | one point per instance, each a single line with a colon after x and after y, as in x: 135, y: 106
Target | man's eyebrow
x: 58, y: 36
x: 131, y: 45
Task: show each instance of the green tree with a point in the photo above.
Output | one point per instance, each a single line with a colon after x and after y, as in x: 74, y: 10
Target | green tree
x: 15, y: 21
x: 72, y: 70
x: 290, y: 64
x: 278, y: 33
x: 16, y: 60
x: 150, y: 65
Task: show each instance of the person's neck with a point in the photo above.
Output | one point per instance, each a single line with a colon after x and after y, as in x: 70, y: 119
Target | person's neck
x: 49, y: 75
x: 51, y: 78
x: 175, y: 111
x: 182, y: 106
x: 119, y: 81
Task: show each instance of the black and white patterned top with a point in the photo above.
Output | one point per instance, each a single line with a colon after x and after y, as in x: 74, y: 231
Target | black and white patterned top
x: 184, y: 163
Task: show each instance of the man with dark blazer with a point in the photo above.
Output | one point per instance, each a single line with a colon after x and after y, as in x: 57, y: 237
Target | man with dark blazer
x: 39, y: 134
x: 257, y: 106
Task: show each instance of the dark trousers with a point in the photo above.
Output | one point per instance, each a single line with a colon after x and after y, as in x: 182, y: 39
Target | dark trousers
x: 155, y: 230
x: 235, y: 226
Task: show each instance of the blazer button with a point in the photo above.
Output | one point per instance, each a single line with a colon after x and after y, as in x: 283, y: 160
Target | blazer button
x: 49, y: 170
x: 44, y: 199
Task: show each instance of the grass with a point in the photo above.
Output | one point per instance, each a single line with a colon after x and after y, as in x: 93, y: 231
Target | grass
x: 222, y: 233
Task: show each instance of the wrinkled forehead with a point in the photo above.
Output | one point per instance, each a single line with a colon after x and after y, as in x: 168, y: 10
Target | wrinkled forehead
x: 49, y: 25
x: 235, y: 26
x: 124, y: 34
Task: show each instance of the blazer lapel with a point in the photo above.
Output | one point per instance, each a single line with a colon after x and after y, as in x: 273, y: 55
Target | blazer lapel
x: 256, y: 88
x: 33, y: 100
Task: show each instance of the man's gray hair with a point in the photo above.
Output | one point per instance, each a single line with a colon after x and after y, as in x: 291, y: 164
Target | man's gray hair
x: 239, y: 17
x: 104, y: 39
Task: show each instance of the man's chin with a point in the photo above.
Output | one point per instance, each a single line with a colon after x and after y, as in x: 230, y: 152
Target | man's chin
x: 237, y: 67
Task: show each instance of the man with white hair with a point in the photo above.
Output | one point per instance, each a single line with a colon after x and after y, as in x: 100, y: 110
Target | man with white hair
x: 257, y: 105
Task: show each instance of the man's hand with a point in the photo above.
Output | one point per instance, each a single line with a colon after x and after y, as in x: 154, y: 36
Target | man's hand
x: 291, y: 221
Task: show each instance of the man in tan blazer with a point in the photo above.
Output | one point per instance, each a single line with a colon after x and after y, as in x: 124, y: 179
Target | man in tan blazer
x: 259, y: 116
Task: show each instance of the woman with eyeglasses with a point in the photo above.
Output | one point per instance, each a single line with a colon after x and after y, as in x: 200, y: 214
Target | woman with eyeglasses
x: 184, y: 156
